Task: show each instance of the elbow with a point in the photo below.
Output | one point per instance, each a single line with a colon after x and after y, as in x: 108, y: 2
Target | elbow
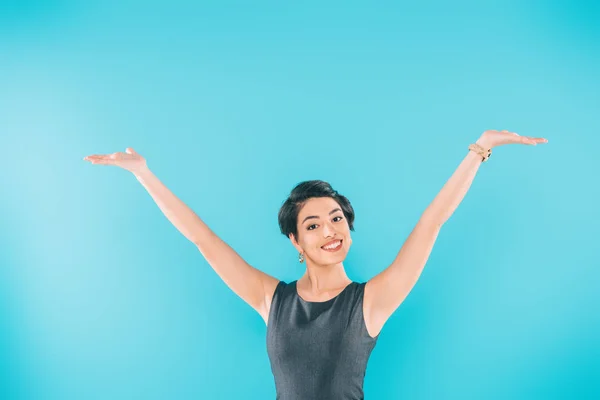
x: 431, y: 220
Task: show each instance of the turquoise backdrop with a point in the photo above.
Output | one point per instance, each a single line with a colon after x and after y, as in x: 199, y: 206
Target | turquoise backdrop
x: 233, y: 103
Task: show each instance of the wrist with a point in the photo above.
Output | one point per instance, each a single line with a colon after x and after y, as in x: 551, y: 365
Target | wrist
x: 142, y: 172
x: 483, y: 142
x: 482, y: 148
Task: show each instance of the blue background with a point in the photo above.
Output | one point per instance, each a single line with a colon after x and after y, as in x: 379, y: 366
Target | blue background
x: 233, y: 103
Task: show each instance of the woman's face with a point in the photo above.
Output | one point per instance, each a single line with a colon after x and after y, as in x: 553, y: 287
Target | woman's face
x: 321, y: 221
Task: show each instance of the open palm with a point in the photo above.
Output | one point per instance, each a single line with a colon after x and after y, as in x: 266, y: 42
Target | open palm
x: 129, y: 160
x: 493, y: 138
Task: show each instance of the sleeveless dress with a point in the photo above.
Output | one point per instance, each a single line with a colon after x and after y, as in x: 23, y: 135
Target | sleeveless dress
x: 318, y: 350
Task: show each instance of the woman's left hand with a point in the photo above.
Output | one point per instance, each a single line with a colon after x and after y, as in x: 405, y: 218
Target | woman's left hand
x: 490, y: 139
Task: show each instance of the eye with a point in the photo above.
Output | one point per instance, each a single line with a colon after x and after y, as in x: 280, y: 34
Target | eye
x: 340, y: 218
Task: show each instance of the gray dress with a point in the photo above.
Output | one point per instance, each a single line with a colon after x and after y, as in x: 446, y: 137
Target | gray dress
x: 318, y: 350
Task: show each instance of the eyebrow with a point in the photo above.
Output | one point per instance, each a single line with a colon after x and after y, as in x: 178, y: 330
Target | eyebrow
x: 314, y: 216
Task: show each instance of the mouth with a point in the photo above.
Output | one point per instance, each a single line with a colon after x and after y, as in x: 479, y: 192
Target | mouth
x: 333, y: 247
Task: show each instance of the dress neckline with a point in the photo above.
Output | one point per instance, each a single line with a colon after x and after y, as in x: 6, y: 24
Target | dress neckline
x: 320, y: 302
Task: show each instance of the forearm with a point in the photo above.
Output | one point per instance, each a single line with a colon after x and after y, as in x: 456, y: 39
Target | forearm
x: 176, y: 211
x: 455, y: 189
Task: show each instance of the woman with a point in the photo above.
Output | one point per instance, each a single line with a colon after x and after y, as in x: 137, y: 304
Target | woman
x: 321, y: 328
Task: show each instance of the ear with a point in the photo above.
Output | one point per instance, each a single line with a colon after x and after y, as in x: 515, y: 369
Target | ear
x: 294, y: 242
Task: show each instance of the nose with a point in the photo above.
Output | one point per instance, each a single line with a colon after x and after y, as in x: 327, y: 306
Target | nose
x: 328, y: 230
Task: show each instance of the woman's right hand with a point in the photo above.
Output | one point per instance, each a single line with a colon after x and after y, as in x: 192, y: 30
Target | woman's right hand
x: 130, y: 160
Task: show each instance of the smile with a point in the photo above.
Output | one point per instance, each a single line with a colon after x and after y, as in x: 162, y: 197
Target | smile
x: 333, y: 247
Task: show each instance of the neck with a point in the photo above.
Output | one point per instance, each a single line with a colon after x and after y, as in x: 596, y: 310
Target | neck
x: 319, y: 279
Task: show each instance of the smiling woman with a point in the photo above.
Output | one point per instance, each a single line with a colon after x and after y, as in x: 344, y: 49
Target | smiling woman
x: 321, y: 328
x: 315, y: 214
x: 324, y: 303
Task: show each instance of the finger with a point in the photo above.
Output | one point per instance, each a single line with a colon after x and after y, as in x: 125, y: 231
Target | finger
x: 94, y: 158
x: 100, y: 160
x: 531, y: 141
x: 540, y: 140
x: 99, y: 156
x: 527, y: 140
x: 537, y: 140
x: 103, y: 162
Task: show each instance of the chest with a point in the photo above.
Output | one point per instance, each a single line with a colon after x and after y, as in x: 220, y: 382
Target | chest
x: 318, y: 329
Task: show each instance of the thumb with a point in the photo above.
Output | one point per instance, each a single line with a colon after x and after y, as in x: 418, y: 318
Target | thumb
x: 129, y: 150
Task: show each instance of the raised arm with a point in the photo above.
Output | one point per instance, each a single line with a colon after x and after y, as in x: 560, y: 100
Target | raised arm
x: 385, y: 291
x: 252, y: 285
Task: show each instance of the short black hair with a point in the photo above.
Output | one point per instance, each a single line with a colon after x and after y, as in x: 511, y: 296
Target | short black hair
x: 288, y: 213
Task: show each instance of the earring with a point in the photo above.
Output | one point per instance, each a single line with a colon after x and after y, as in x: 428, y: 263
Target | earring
x: 301, y: 257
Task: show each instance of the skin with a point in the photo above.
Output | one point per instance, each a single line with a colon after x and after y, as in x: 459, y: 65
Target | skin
x: 325, y: 276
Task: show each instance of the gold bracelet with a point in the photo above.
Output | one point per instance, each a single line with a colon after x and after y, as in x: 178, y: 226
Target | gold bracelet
x: 485, y: 154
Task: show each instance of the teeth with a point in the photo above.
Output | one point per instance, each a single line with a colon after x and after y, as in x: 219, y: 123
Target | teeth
x: 333, y: 246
